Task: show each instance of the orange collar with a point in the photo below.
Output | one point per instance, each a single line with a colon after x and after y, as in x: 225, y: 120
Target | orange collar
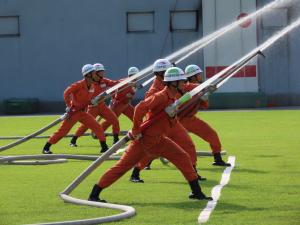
x: 84, y: 84
x: 159, y: 83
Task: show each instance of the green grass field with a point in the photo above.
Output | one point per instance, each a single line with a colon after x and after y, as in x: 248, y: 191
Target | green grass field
x: 264, y: 187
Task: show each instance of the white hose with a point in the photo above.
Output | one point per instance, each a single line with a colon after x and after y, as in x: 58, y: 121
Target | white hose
x: 128, y: 211
x: 59, y: 158
x: 26, y: 138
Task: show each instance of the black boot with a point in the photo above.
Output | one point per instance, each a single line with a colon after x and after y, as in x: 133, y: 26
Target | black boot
x: 196, y: 191
x: 164, y: 161
x: 94, y: 195
x: 46, y: 149
x: 199, y: 177
x: 104, y: 146
x: 94, y: 135
x: 116, y: 138
x: 73, y: 141
x: 148, y: 166
x: 219, y: 161
x: 135, y: 176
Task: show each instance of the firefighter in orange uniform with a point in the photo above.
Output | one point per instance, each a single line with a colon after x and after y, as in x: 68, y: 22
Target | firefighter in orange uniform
x: 195, y: 125
x: 101, y: 109
x: 121, y: 102
x: 152, y: 141
x: 77, y: 97
x: 178, y: 133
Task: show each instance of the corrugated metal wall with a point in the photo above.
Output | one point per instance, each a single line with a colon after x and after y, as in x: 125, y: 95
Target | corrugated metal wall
x: 231, y: 46
x: 58, y: 37
x: 279, y: 73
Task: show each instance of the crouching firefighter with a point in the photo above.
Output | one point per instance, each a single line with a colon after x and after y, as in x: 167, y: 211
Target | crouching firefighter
x: 77, y: 97
x: 177, y: 133
x: 196, y: 125
x: 153, y: 141
x: 100, y: 109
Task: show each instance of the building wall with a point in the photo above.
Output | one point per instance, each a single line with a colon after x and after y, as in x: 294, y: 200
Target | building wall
x: 279, y: 72
x: 231, y: 46
x: 58, y: 37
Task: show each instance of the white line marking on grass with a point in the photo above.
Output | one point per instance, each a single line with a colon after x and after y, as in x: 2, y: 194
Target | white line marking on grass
x: 216, y: 192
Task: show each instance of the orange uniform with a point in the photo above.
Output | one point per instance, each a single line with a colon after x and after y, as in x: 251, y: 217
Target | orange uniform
x: 101, y: 109
x: 197, y: 126
x: 121, y: 103
x: 77, y: 97
x: 153, y: 142
x: 178, y: 133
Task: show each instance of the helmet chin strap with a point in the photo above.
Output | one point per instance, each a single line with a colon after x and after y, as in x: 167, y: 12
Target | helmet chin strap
x: 176, y: 86
x: 95, y: 80
x: 191, y: 78
x: 160, y: 76
x: 89, y: 76
x: 180, y: 91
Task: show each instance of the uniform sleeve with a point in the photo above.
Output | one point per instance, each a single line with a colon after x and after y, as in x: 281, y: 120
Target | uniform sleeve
x: 154, y: 88
x: 203, y: 104
x: 189, y: 87
x: 68, y: 94
x: 143, y: 107
x: 110, y: 83
x: 151, y: 92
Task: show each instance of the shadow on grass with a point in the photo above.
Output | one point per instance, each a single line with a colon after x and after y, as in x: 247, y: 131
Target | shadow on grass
x: 213, y: 169
x: 81, y: 146
x: 247, y: 170
x: 235, y: 208
x: 268, y: 156
x: 236, y: 169
x: 202, y: 183
x: 222, y: 207
x: 239, y: 186
x: 192, y: 204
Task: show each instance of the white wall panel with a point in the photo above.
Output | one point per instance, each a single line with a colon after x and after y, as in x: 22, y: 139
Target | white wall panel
x: 9, y: 26
x: 233, y: 45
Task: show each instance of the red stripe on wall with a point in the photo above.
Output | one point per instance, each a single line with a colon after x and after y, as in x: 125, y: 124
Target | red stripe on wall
x: 247, y: 71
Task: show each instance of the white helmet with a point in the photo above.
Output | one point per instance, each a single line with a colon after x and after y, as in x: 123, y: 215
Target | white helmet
x: 192, y: 70
x: 99, y: 67
x: 87, y: 68
x: 161, y: 65
x: 132, y: 70
x: 174, y: 74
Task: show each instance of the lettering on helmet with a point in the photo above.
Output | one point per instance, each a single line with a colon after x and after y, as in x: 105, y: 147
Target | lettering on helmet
x: 88, y: 69
x: 161, y: 66
x: 173, y: 75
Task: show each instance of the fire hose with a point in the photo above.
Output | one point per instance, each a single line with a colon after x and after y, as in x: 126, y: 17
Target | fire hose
x: 217, y: 80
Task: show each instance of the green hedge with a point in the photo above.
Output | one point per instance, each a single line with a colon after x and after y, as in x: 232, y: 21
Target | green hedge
x: 237, y: 100
x: 20, y: 105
